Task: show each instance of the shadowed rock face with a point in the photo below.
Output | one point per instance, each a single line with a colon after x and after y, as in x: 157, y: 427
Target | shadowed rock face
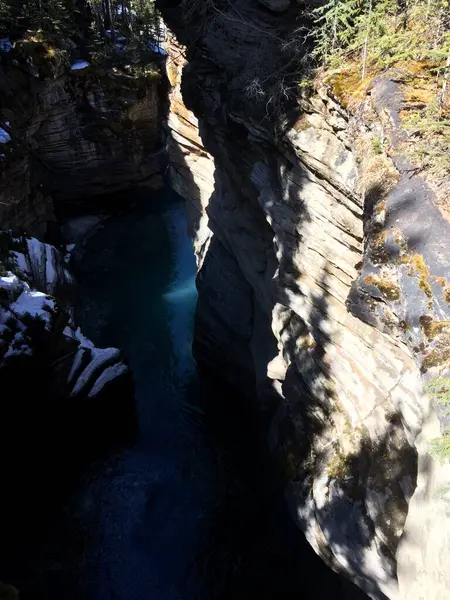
x: 74, y: 134
x: 286, y: 215
x: 39, y: 339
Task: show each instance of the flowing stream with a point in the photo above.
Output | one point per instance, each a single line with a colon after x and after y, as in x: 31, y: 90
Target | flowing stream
x: 185, y: 510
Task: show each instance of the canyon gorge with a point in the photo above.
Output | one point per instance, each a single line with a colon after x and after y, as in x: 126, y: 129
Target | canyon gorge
x: 323, y: 278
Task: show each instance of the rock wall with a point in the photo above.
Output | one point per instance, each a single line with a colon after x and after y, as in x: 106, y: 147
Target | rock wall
x: 312, y: 295
x: 39, y: 340
x: 75, y: 133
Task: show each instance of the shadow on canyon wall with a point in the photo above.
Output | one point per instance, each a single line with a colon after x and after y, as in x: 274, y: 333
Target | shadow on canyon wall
x: 307, y: 388
x: 47, y: 443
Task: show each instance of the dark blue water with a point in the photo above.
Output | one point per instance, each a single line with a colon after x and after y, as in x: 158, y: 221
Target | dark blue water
x: 186, y: 509
x: 142, y: 507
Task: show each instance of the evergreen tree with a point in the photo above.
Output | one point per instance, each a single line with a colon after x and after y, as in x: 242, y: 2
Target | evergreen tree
x: 440, y: 389
x: 370, y: 36
x: 335, y: 25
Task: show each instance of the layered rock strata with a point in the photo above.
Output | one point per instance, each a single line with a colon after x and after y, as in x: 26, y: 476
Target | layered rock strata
x: 74, y: 133
x: 313, y: 295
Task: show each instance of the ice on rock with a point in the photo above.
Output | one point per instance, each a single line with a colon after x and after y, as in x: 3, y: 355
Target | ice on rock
x: 35, y: 303
x: 4, y: 135
x: 100, y: 357
x: 108, y: 375
x: 80, y: 64
x: 5, y: 45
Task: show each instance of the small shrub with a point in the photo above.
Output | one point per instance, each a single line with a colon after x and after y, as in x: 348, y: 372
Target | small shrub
x: 377, y: 146
x: 440, y: 389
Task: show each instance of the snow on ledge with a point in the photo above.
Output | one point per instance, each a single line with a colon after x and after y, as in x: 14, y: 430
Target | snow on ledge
x: 109, y: 374
x: 5, y: 45
x: 35, y: 303
x: 80, y: 64
x: 99, y: 358
x: 4, y: 135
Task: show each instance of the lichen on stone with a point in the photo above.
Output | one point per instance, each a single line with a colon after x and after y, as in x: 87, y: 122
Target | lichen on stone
x: 379, y: 253
x: 400, y: 240
x: 438, y: 355
x: 416, y: 266
x: 431, y: 327
x: 380, y: 207
x: 389, y: 289
x: 340, y: 465
x: 447, y: 294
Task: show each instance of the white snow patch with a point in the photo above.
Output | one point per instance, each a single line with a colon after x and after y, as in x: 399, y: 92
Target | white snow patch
x: 5, y: 45
x: 4, y: 135
x: 21, y: 262
x: 68, y: 256
x: 78, y: 336
x: 46, y: 266
x: 109, y: 374
x: 5, y: 315
x: 35, y: 252
x: 33, y: 302
x: 80, y: 64
x: 68, y: 277
x: 50, y: 272
x: 10, y: 281
x: 84, y: 341
x: 156, y: 47
x: 99, y: 357
x: 18, y: 347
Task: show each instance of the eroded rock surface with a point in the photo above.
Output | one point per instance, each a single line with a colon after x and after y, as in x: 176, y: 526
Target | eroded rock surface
x: 285, y: 221
x: 75, y: 133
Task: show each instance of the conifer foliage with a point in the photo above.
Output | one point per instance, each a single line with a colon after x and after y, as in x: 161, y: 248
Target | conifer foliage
x: 107, y: 27
x: 382, y: 32
x: 367, y: 37
x: 439, y: 389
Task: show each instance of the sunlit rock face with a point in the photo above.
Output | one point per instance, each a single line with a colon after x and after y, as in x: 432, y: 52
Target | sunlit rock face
x: 75, y: 132
x: 304, y: 300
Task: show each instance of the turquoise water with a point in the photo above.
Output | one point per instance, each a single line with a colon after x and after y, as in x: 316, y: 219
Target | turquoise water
x: 143, y: 507
x: 186, y: 509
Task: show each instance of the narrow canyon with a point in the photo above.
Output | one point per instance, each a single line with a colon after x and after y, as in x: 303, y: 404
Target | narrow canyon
x: 224, y: 314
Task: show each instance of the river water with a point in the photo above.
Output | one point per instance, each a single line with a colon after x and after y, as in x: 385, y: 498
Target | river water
x: 185, y: 509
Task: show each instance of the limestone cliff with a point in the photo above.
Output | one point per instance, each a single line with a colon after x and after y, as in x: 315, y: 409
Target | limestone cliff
x: 320, y: 286
x: 74, y: 132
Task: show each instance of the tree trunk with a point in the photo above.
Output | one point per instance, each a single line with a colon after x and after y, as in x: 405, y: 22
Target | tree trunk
x: 366, y: 43
x: 445, y: 83
x: 111, y: 20
x: 334, y: 33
